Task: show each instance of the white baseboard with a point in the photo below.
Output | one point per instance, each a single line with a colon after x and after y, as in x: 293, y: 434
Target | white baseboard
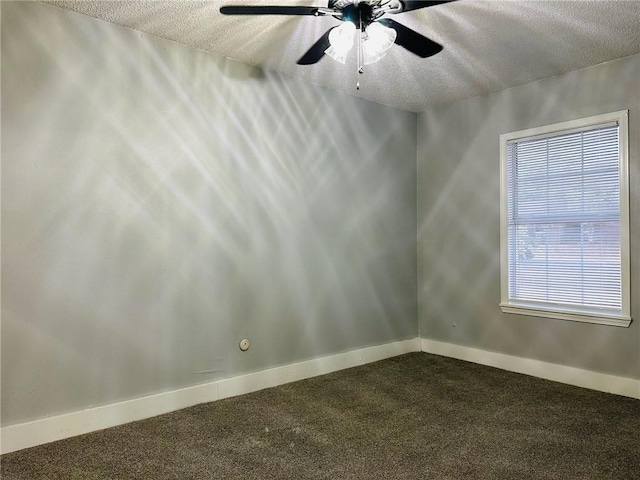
x: 628, y: 387
x: 252, y: 382
x: 50, y: 429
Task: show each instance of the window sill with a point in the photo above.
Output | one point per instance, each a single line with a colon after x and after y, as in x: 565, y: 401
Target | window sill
x: 598, y: 318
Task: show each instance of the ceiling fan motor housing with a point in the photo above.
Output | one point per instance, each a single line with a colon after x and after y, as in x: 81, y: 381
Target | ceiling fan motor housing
x: 362, y: 12
x: 356, y: 11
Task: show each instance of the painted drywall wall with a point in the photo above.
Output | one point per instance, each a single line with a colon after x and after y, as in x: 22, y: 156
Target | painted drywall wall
x: 160, y: 204
x: 459, y: 220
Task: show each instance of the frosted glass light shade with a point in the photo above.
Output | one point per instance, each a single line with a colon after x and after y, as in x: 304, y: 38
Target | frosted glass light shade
x: 341, y: 40
x: 378, y: 39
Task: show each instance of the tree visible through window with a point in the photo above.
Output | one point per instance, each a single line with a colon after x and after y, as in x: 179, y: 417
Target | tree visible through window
x: 564, y: 220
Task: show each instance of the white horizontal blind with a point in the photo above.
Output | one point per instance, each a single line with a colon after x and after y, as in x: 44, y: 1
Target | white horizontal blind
x: 563, y: 210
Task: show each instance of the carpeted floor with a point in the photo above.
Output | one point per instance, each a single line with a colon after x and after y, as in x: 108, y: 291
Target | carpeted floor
x: 417, y: 416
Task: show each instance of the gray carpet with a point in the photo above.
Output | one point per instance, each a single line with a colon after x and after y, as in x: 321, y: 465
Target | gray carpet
x: 417, y: 416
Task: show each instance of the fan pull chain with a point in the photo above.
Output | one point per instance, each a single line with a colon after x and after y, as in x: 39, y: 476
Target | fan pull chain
x: 360, y: 66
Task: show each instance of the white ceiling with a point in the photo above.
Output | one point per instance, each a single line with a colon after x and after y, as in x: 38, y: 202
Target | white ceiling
x: 489, y: 45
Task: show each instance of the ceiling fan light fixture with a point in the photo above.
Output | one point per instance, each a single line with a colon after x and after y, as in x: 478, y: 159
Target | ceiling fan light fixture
x: 376, y: 42
x: 341, y: 40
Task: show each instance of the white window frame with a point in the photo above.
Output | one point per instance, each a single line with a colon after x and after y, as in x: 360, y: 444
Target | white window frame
x: 623, y: 319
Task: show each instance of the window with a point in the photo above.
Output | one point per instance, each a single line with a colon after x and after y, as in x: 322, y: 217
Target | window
x: 564, y: 235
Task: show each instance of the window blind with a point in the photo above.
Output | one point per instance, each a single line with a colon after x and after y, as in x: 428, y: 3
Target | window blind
x: 563, y: 209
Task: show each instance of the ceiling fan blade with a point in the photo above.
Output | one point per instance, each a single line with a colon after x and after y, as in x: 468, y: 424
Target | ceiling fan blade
x: 408, y: 5
x: 316, y: 52
x: 267, y: 10
x: 412, y: 40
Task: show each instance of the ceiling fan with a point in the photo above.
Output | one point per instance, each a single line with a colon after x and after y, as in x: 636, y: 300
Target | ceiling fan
x: 364, y: 20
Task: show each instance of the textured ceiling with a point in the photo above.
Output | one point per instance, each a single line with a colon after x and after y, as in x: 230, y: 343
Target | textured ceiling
x: 488, y: 45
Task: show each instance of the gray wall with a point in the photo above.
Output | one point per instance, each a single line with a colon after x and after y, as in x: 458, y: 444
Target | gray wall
x: 160, y: 204
x: 459, y: 220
